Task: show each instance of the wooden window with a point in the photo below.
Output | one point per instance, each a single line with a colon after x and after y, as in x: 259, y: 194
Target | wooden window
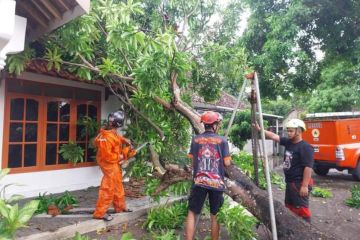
x: 91, y: 111
x: 37, y: 124
x: 23, y: 132
x: 57, y: 130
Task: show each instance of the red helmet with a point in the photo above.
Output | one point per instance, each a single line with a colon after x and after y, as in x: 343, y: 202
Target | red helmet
x: 210, y: 117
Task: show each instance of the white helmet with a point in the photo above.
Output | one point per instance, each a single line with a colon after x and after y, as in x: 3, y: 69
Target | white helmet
x: 296, y: 123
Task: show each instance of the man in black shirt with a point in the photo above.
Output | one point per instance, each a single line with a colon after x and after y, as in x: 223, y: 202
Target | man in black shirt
x: 298, y: 163
x: 209, y: 153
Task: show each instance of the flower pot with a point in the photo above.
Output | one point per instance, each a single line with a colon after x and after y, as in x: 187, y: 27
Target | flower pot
x: 68, y: 207
x: 53, y: 210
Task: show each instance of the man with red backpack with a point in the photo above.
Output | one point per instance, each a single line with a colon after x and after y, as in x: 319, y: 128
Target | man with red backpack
x: 112, y: 149
x: 210, y: 154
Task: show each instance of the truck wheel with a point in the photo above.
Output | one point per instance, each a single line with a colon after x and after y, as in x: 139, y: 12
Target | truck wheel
x: 356, y: 172
x: 321, y: 170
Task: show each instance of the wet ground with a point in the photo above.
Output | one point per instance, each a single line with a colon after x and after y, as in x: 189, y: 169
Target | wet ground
x: 331, y: 214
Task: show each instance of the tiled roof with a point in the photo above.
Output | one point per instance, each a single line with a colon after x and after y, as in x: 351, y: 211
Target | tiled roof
x: 225, y: 100
x: 40, y: 66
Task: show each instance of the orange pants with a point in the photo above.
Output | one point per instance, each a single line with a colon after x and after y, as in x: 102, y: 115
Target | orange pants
x: 111, y: 190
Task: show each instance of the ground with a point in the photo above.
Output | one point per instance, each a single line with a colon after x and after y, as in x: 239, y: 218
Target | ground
x: 330, y: 215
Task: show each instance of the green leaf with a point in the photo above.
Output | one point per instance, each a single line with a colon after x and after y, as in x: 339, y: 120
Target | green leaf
x: 27, y: 211
x: 4, y: 172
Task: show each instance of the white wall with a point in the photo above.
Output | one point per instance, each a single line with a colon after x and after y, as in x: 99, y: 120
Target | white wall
x: 57, y: 180
x: 269, y: 150
x: 54, y: 181
x: 2, y: 106
x: 111, y: 105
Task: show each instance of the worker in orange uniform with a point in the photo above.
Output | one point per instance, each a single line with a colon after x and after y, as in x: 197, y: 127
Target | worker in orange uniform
x: 112, y: 149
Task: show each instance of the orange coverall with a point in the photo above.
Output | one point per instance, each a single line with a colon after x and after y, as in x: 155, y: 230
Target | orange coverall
x: 111, y: 148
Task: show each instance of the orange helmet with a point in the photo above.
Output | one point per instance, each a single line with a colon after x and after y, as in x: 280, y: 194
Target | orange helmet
x: 210, y: 117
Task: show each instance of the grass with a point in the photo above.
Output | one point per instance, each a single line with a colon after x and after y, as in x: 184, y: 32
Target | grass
x: 321, y: 192
x: 354, y: 201
x: 166, y: 217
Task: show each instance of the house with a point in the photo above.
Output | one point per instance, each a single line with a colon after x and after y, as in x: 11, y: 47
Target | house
x: 39, y: 111
x: 226, y: 103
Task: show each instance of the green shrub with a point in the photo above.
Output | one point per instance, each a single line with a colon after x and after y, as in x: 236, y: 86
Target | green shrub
x: 165, y: 235
x: 278, y: 180
x: 11, y: 216
x: 139, y: 169
x: 60, y: 202
x: 354, y: 201
x: 245, y: 162
x: 127, y: 236
x: 72, y: 152
x: 321, y: 192
x: 150, y: 186
x: 180, y: 189
x: 65, y: 200
x: 238, y: 224
x: 90, y: 127
x: 166, y: 217
x: 44, y: 202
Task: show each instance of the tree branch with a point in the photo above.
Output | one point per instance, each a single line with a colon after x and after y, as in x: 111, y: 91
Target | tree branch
x: 155, y: 160
x: 183, y: 108
x: 130, y: 105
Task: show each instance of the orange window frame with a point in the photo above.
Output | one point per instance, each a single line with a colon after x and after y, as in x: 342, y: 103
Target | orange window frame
x: 86, y: 140
x: 41, y: 129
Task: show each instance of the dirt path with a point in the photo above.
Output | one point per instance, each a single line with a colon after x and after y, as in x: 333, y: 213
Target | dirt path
x: 137, y: 231
x: 331, y: 214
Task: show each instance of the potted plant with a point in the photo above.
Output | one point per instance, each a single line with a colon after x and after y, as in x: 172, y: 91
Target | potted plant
x: 72, y: 152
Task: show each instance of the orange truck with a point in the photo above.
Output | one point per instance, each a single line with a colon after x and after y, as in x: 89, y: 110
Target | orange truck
x: 335, y: 138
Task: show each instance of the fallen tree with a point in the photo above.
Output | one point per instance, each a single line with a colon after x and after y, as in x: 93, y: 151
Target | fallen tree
x: 147, y: 64
x: 242, y: 190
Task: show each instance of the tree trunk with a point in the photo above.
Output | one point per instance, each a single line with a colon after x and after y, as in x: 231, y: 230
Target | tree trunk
x: 242, y: 190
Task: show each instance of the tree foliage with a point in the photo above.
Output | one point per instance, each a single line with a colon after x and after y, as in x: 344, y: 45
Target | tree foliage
x: 309, y: 47
x: 152, y: 55
x: 240, y: 131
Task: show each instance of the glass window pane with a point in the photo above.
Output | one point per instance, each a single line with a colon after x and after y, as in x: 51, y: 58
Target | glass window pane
x: 64, y: 112
x: 91, y: 154
x: 17, y: 109
x: 32, y: 110
x: 16, y: 132
x: 81, y: 111
x: 51, y: 132
x: 64, y: 132
x: 92, y: 113
x: 30, y: 132
x: 80, y: 133
x: 30, y: 155
x: 52, y: 111
x: 15, y: 156
x: 51, y: 152
x: 62, y: 160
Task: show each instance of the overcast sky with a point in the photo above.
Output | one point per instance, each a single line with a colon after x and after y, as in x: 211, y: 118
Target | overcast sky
x: 243, y: 18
